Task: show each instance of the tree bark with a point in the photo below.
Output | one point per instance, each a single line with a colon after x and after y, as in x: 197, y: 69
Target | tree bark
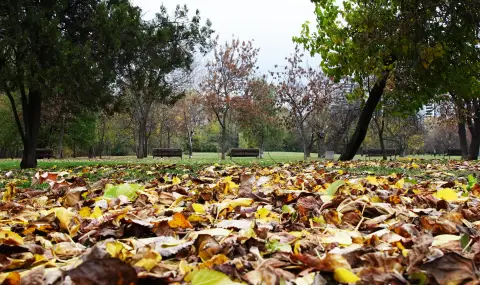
x: 142, y: 132
x: 319, y: 144
x: 304, y: 142
x: 475, y: 142
x: 60, y: 138
x: 102, y: 137
x: 462, y: 134
x: 262, y: 146
x: 31, y: 120
x: 358, y: 136
x: 223, y: 142
x: 190, y: 144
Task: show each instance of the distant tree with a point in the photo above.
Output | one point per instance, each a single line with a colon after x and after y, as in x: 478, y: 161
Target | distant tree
x: 411, y: 42
x: 228, y: 75
x: 190, y: 110
x: 257, y: 113
x: 303, y: 90
x: 162, y: 48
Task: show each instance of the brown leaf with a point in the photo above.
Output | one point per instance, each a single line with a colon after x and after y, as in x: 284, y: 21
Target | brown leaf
x: 207, y: 247
x: 103, y: 272
x: 246, y: 185
x: 451, y: 268
x: 13, y: 278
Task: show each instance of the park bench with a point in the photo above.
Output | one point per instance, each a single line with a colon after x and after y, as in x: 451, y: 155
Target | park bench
x: 167, y: 152
x: 453, y: 152
x: 244, y: 152
x: 378, y: 152
x: 42, y: 153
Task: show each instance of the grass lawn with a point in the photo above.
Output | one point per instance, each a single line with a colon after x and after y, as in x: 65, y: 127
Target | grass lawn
x: 199, y: 159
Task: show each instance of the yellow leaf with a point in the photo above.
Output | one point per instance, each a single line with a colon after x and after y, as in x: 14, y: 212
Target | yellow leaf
x: 65, y: 217
x: 149, y: 261
x: 215, y: 260
x: 97, y: 213
x: 179, y: 221
x: 415, y: 166
x: 232, y: 204
x: 199, y: 208
x: 9, y: 237
x: 372, y: 180
x: 447, y: 194
x: 85, y: 212
x: 10, y: 191
x: 344, y: 275
x: 176, y: 180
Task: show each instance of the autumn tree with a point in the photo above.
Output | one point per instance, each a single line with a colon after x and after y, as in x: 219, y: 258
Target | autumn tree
x: 302, y: 90
x: 228, y: 75
x: 409, y: 41
x: 190, y: 109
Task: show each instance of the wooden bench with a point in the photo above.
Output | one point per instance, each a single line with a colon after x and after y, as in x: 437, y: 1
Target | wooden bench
x: 167, y: 152
x: 453, y: 152
x: 244, y: 152
x: 42, y: 153
x: 378, y: 152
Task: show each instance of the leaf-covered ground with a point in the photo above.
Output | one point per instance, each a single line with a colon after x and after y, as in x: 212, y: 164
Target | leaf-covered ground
x: 302, y: 223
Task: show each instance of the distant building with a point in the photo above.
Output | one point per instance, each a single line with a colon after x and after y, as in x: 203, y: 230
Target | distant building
x: 429, y: 110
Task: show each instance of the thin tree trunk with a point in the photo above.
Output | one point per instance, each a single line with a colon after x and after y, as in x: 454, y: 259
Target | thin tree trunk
x: 223, y: 142
x: 102, y: 137
x: 319, y: 144
x: 190, y: 144
x: 304, y: 142
x: 141, y: 138
x: 365, y: 117
x: 31, y: 120
x: 60, y: 138
x: 262, y: 146
x: 462, y: 134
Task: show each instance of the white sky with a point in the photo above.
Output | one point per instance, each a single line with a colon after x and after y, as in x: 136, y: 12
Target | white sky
x: 270, y: 23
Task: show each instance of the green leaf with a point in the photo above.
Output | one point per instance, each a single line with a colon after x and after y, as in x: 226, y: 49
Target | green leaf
x: 464, y: 241
x: 126, y: 189
x: 332, y: 189
x: 211, y: 277
x: 419, y: 277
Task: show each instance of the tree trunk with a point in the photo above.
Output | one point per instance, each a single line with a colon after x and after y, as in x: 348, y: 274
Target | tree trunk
x: 319, y: 144
x: 190, y: 144
x: 262, y: 146
x: 304, y: 142
x: 223, y: 142
x: 358, y: 136
x: 102, y: 138
x: 380, y: 129
x: 31, y: 119
x: 142, y: 132
x: 475, y: 142
x: 60, y: 138
x: 462, y: 134
x: 74, y: 150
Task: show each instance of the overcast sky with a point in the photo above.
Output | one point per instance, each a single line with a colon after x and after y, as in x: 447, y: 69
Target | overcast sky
x: 270, y: 23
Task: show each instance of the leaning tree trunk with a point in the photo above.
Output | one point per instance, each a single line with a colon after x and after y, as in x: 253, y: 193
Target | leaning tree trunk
x: 304, y: 142
x: 31, y: 120
x: 358, y: 136
x: 462, y: 134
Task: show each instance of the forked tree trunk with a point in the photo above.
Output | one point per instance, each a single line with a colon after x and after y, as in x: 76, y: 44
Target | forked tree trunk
x: 31, y: 119
x: 365, y: 117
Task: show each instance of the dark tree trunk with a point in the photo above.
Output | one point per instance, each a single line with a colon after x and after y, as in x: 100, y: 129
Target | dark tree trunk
x: 31, y: 121
x: 462, y: 134
x: 60, y: 138
x: 142, y: 133
x: 475, y: 142
x: 358, y: 136
x: 320, y: 149
x: 102, y: 138
x: 380, y: 129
